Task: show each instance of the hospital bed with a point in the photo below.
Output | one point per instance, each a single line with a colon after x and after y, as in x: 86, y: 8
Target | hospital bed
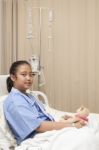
x: 86, y: 138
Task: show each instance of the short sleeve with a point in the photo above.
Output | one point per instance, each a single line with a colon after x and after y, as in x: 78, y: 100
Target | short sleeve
x: 23, y: 120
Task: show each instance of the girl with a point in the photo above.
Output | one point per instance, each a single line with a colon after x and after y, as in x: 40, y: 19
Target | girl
x: 25, y: 115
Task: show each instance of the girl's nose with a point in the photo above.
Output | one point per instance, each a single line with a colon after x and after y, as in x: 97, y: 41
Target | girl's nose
x: 28, y: 77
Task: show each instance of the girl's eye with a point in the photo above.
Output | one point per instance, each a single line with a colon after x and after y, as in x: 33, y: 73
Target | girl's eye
x: 23, y: 74
x: 31, y: 74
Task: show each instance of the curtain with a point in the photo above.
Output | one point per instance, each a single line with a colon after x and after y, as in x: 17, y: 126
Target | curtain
x: 8, y: 34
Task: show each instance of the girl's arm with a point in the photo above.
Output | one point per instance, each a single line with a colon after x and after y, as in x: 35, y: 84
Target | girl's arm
x: 49, y: 125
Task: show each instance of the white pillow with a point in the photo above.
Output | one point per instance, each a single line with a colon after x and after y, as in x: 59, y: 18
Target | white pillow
x: 5, y: 144
x: 5, y: 133
x: 3, y: 86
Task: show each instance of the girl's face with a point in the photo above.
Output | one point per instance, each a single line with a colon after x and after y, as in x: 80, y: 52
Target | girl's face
x: 23, y: 78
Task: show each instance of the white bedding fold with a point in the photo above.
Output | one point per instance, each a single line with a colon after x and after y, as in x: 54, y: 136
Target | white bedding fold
x: 65, y: 139
x: 86, y: 138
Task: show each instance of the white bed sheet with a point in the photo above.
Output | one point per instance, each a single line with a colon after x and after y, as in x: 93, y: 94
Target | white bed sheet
x: 86, y: 138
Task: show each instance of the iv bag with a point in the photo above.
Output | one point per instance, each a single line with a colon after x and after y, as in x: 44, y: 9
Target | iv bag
x: 34, y: 61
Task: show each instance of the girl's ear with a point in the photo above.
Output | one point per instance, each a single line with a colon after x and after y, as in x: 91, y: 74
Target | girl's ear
x: 12, y: 77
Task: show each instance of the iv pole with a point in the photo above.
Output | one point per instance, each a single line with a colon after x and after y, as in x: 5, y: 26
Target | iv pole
x: 40, y: 46
x: 30, y: 35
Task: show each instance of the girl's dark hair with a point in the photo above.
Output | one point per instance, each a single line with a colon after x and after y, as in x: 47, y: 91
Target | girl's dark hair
x: 12, y: 71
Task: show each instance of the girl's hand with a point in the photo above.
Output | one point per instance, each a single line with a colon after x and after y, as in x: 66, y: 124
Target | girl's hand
x: 79, y: 124
x: 67, y: 118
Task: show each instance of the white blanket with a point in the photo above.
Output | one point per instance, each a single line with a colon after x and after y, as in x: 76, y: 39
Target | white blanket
x: 86, y: 138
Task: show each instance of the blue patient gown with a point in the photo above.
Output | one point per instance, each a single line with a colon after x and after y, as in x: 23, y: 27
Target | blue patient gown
x: 24, y: 114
